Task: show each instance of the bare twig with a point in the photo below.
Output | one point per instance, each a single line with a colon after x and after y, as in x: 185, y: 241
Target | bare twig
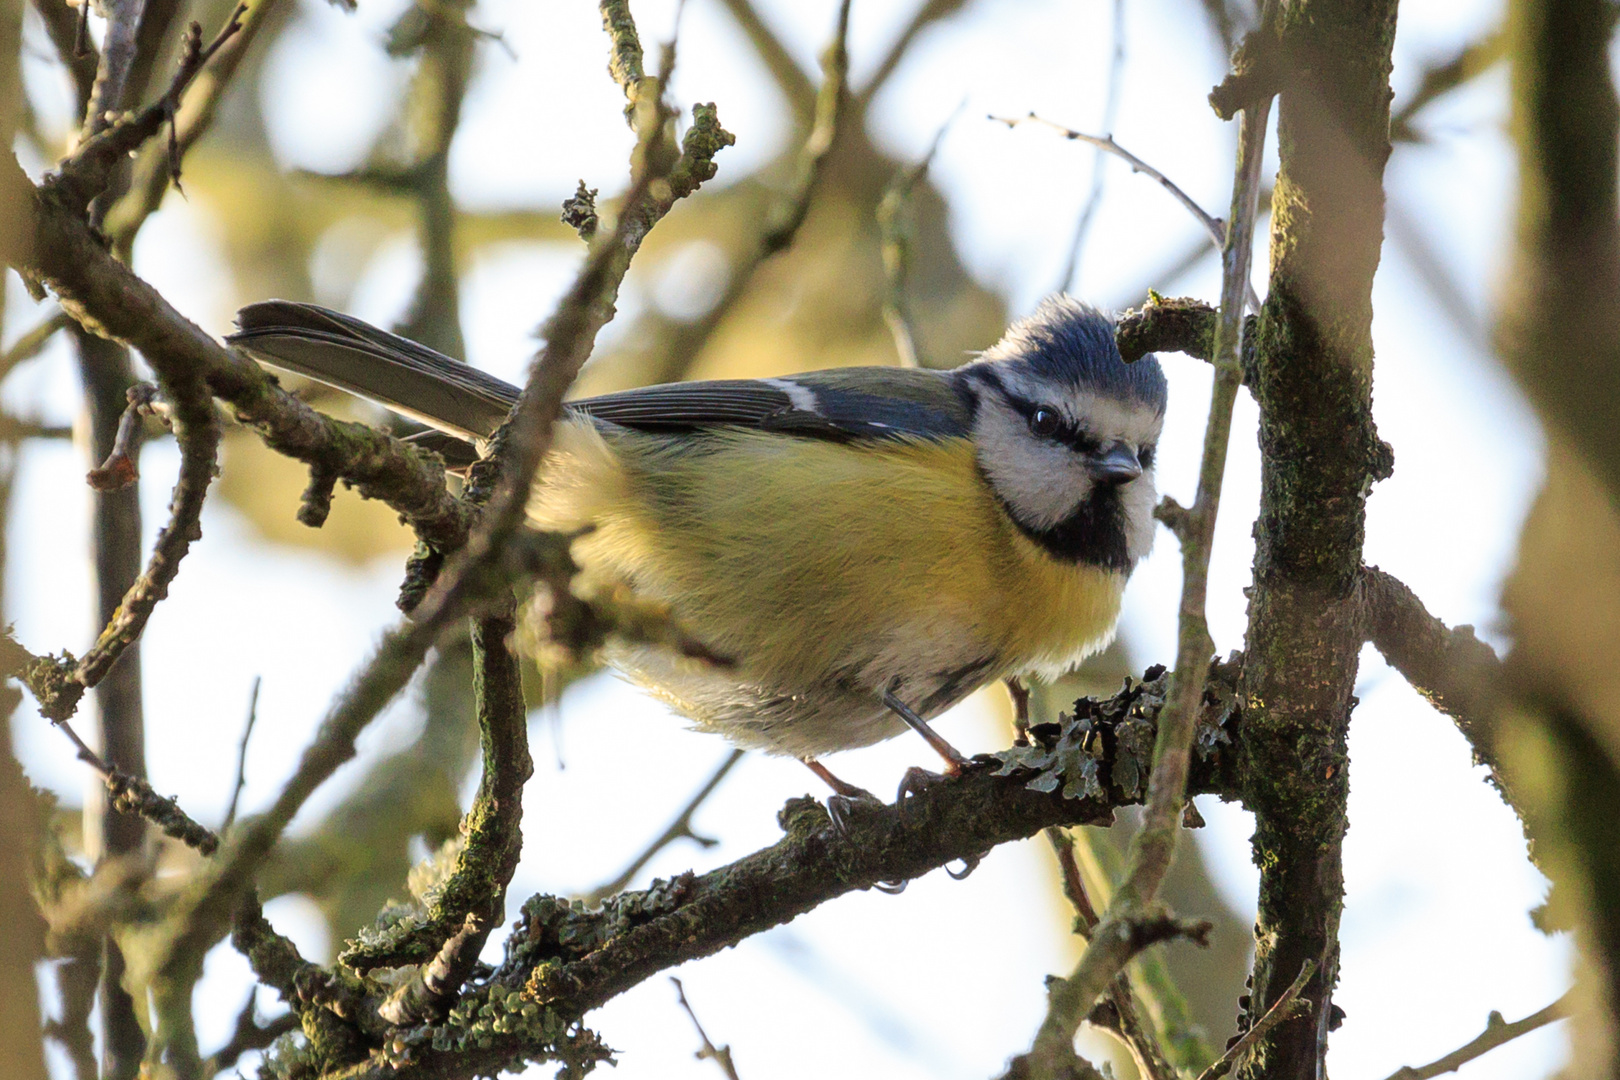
x: 33, y: 341
x: 132, y: 795
x: 928, y: 14
x: 1497, y: 1033
x: 192, y: 116
x: 1466, y: 64
x: 1121, y: 933
x: 241, y: 755
x: 1212, y: 225
x: 1281, y: 1009
x: 896, y: 246
x: 674, y: 351
x: 121, y: 469
x: 1067, y: 281
x: 1074, y: 885
x: 85, y: 173
x: 679, y: 829
x: 789, y: 77
x: 720, y: 1055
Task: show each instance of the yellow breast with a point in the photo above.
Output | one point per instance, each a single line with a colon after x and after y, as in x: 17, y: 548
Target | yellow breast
x: 810, y: 560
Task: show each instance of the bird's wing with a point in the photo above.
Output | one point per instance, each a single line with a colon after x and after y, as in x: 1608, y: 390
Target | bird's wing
x: 839, y: 404
x: 351, y: 355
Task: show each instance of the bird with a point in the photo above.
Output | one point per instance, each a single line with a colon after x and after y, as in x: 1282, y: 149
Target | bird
x: 865, y: 546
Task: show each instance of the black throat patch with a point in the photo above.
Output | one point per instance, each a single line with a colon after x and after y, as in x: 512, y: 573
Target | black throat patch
x: 1094, y: 534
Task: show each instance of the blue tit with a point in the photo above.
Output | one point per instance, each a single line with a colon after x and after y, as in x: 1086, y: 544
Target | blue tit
x: 867, y: 545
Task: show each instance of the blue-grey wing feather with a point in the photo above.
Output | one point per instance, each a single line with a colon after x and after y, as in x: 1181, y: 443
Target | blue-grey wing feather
x: 838, y: 404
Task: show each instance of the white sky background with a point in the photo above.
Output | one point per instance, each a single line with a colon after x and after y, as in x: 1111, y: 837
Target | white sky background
x: 946, y: 979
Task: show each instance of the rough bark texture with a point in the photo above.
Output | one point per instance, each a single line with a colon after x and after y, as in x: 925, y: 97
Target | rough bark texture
x: 1320, y: 456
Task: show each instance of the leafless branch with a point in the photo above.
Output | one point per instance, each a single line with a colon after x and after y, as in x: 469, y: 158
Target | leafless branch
x: 720, y: 1055
x: 1497, y: 1033
x: 1212, y: 225
x: 1281, y: 1009
x: 679, y: 829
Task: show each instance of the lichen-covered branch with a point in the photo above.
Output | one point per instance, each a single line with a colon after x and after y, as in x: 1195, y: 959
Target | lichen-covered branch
x: 563, y: 961
x: 472, y: 902
x: 1320, y: 455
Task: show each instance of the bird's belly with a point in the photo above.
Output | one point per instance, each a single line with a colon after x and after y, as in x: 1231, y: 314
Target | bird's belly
x: 827, y: 574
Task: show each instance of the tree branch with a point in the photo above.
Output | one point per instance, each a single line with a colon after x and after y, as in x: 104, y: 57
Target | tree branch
x: 1320, y: 453
x: 1454, y: 671
x: 569, y: 961
x: 1497, y: 1032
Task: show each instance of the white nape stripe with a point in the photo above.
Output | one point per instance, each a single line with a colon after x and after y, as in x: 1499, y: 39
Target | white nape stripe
x: 802, y: 397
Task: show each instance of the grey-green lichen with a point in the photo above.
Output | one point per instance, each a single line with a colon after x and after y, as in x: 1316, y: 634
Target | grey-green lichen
x: 1105, y: 746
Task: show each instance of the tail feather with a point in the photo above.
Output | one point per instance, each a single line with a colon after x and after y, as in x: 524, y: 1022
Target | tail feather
x: 344, y: 352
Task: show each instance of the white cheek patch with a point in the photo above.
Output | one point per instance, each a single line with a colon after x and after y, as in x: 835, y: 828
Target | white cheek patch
x: 1044, y: 482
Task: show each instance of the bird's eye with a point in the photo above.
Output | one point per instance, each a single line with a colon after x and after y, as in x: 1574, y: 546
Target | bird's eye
x: 1145, y: 455
x: 1044, y: 422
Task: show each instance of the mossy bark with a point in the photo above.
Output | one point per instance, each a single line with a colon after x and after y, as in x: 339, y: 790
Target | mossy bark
x: 1320, y: 455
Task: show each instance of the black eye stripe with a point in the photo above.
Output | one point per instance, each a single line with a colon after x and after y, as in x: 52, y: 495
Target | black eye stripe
x: 1057, y: 428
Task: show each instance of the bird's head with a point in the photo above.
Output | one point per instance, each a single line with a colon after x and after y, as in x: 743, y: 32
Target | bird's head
x: 1066, y: 431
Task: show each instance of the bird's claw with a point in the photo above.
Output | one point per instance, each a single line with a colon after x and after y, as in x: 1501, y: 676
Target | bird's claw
x: 916, y: 781
x: 970, y: 863
x: 843, y: 808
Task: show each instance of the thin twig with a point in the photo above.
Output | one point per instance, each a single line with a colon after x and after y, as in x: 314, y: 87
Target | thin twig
x: 121, y: 469
x: 680, y: 828
x: 1074, y: 885
x: 241, y: 755
x: 85, y: 173
x: 1497, y: 1032
x: 785, y: 71
x: 1284, y: 1007
x: 720, y: 1055
x: 895, y: 238
x: 193, y: 115
x: 1212, y: 225
x: 1119, y: 936
x: 1116, y: 68
x: 676, y: 344
x: 132, y: 795
x: 33, y: 341
x: 930, y: 13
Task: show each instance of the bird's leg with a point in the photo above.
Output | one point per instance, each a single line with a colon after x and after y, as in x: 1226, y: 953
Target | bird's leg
x: 953, y: 758
x: 1020, y: 699
x: 915, y: 779
x: 840, y: 787
x: 841, y: 804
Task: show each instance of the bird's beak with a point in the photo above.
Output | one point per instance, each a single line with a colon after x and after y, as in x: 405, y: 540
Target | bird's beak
x: 1116, y: 465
